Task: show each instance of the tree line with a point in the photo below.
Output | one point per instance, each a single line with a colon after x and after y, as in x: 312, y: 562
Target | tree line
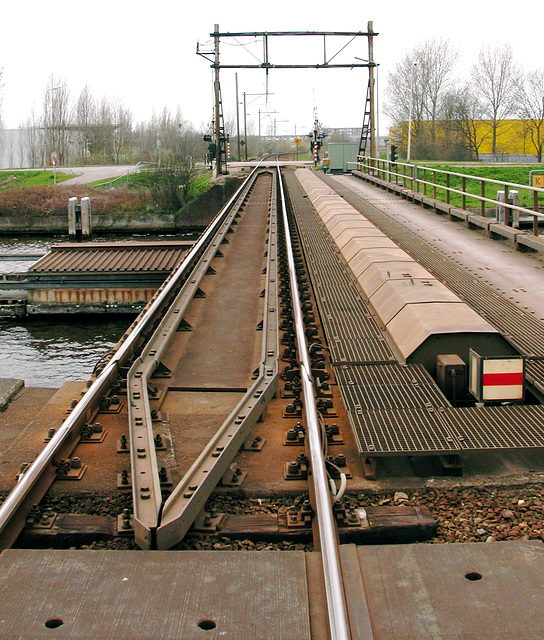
x: 90, y: 130
x: 453, y: 116
x: 86, y: 130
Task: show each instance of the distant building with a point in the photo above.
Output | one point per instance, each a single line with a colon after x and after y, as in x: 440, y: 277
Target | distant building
x: 12, y: 149
x: 514, y: 142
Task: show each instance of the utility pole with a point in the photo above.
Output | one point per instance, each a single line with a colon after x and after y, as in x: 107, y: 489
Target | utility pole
x: 245, y: 127
x: 237, y: 116
x: 409, y: 149
x: 372, y: 84
x: 217, y: 93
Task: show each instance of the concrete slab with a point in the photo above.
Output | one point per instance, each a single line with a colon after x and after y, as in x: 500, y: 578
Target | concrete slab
x: 530, y: 242
x: 21, y: 410
x: 29, y: 442
x: 496, y: 229
x: 136, y: 595
x: 475, y: 220
x: 471, y: 591
x: 9, y: 387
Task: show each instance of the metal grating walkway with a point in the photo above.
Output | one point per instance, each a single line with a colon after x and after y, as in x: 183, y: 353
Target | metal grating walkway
x: 521, y: 329
x: 398, y: 409
x: 352, y: 333
x: 514, y: 427
x: 445, y: 430
x: 392, y: 386
x: 402, y: 432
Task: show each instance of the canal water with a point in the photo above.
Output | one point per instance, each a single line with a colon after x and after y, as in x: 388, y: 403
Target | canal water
x: 47, y: 351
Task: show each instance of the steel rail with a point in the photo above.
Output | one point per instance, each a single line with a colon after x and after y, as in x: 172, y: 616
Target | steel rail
x: 89, y: 403
x: 190, y: 495
x: 146, y: 490
x: 336, y: 604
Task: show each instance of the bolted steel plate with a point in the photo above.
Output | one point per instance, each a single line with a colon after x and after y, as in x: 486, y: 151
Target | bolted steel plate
x: 141, y: 595
x: 471, y: 591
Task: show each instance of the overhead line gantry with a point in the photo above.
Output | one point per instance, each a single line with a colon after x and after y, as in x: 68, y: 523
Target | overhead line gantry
x: 219, y: 136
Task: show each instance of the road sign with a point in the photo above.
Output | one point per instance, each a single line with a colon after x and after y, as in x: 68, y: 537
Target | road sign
x: 538, y: 181
x: 297, y: 141
x: 498, y: 378
x: 54, y: 158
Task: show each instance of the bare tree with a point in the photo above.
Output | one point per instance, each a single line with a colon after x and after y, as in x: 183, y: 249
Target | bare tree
x: 122, y: 132
x: 418, y: 87
x: 494, y: 79
x: 57, y: 112
x: 32, y: 135
x: 85, y: 120
x: 530, y: 102
x: 435, y: 61
x: 466, y: 119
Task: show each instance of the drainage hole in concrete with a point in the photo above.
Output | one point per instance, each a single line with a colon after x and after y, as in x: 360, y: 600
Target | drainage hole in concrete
x: 207, y: 625
x: 473, y: 576
x: 54, y: 623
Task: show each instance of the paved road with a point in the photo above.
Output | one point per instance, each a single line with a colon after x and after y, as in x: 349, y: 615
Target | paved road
x: 84, y: 175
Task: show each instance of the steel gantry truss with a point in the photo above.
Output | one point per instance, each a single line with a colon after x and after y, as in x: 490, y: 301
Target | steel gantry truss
x: 328, y: 62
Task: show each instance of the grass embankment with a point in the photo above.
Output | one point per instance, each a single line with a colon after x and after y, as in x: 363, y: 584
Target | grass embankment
x: 30, y: 178
x: 513, y: 174
x: 36, y: 195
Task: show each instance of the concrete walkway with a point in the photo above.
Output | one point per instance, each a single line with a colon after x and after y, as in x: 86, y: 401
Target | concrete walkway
x: 517, y: 276
x: 85, y: 175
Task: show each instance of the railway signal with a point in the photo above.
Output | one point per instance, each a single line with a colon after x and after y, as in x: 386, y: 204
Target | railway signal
x: 394, y: 153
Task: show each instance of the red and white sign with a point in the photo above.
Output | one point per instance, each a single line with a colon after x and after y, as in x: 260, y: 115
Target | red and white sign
x: 502, y: 379
x: 496, y: 378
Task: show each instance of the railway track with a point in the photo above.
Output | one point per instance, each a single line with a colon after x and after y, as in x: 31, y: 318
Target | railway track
x: 320, y: 333
x: 33, y: 483
x: 159, y: 520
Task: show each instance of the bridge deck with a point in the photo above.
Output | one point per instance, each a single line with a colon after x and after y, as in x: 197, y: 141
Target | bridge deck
x: 394, y: 416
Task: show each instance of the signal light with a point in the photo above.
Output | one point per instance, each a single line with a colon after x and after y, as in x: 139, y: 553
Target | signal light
x: 394, y: 154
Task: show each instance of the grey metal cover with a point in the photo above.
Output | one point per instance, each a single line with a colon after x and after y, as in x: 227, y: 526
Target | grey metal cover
x: 350, y: 242
x: 372, y: 278
x: 139, y: 595
x: 415, y: 323
x: 394, y: 295
x: 361, y: 260
x: 112, y: 256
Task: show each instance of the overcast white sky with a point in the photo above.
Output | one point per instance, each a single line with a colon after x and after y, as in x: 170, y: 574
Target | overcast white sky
x: 143, y: 53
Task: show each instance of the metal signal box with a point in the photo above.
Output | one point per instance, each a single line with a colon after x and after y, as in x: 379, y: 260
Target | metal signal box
x: 451, y: 376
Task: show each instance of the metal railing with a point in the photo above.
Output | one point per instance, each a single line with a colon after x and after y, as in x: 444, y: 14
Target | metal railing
x: 137, y: 168
x: 425, y: 180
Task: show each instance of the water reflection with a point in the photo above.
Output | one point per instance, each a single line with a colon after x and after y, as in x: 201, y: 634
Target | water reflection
x: 49, y: 352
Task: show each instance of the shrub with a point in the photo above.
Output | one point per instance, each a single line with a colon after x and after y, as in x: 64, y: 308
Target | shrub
x: 47, y: 201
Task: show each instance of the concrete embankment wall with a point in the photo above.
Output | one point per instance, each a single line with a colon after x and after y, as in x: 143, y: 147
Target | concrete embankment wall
x: 195, y: 216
